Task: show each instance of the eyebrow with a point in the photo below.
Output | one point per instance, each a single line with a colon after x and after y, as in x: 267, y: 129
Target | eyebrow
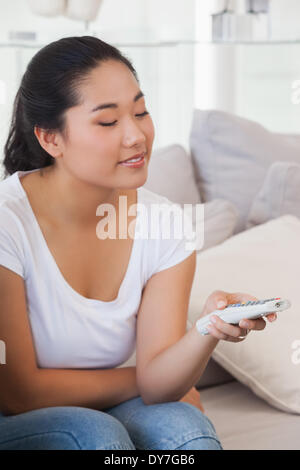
x: 114, y: 105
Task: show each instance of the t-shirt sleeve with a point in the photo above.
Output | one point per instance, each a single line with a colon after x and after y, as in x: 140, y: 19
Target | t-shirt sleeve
x: 173, y: 247
x: 11, y: 248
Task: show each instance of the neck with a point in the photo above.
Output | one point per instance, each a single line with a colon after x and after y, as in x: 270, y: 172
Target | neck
x: 75, y: 202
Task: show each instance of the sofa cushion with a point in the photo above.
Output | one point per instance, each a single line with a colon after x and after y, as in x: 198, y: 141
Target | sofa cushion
x: 244, y: 421
x: 279, y: 194
x: 171, y: 174
x: 231, y: 156
x: 263, y: 261
x: 219, y: 218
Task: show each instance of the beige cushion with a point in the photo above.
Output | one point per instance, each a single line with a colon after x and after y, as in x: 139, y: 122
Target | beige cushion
x: 263, y: 261
x: 279, y: 194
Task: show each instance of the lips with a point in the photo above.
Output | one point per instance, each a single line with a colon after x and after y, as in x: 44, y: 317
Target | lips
x: 135, y: 156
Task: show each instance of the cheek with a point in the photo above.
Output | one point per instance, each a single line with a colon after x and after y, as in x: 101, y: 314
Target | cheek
x: 93, y: 145
x: 149, y: 131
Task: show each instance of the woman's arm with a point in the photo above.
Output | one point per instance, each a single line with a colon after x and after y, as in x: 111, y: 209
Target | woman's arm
x: 169, y: 360
x: 96, y: 389
x: 171, y: 374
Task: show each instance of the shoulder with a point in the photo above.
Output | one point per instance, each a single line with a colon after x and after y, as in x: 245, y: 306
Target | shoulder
x: 12, y: 203
x: 147, y: 196
x: 156, y: 203
x: 162, y: 211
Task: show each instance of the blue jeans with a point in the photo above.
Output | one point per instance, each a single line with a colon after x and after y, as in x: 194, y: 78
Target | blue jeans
x: 130, y: 425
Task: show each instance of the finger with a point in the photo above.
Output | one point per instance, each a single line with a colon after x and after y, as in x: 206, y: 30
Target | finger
x: 213, y: 331
x: 216, y: 333
x: 271, y: 316
x: 227, y: 328
x: 258, y: 324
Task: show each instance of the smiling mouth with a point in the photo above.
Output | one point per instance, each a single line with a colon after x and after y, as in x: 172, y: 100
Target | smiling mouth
x: 134, y: 163
x: 134, y: 159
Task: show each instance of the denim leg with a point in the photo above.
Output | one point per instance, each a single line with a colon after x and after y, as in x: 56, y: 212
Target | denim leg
x: 63, y: 428
x: 173, y: 425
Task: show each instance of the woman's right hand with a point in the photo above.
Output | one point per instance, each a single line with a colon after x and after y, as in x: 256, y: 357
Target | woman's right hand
x: 226, y: 331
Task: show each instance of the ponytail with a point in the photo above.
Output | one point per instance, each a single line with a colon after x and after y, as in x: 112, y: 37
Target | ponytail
x: 22, y: 150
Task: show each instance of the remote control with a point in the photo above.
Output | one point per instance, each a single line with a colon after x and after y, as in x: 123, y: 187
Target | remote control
x: 233, y: 313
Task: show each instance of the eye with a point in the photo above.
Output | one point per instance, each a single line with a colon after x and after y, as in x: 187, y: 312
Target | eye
x: 105, y: 124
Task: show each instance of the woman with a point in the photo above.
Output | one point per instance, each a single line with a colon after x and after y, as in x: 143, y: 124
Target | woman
x: 72, y: 301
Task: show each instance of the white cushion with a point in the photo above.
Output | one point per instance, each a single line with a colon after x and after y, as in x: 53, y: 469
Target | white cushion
x: 279, y: 194
x: 263, y: 261
x: 231, y: 156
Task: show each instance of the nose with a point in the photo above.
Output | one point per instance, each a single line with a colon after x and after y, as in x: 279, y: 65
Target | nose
x: 133, y: 135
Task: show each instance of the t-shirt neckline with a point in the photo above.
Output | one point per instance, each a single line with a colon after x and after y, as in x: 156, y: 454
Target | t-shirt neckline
x: 61, y: 278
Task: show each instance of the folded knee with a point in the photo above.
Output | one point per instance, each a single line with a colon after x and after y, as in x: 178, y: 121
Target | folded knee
x: 86, y: 428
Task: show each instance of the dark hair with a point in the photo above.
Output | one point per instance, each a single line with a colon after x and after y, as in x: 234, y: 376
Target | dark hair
x: 48, y: 88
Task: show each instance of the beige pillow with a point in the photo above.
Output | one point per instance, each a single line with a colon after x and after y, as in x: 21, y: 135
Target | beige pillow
x: 263, y: 261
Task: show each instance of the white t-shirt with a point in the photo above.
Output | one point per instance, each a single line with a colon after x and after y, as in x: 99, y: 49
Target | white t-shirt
x: 68, y: 329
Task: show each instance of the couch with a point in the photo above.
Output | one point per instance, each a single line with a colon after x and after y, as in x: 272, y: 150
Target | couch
x: 248, y: 180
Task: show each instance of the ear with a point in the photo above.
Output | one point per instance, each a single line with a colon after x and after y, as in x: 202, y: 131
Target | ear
x: 49, y: 141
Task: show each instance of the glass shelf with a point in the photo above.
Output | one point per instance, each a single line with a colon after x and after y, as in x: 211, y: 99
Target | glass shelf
x: 163, y: 43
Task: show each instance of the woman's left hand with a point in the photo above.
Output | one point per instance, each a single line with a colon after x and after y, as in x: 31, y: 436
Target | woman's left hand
x: 218, y: 300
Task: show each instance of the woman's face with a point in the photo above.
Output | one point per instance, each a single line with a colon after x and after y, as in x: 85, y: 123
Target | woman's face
x: 93, y: 148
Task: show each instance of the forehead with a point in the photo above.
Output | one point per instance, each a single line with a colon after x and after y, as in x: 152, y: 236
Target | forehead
x: 109, y: 80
